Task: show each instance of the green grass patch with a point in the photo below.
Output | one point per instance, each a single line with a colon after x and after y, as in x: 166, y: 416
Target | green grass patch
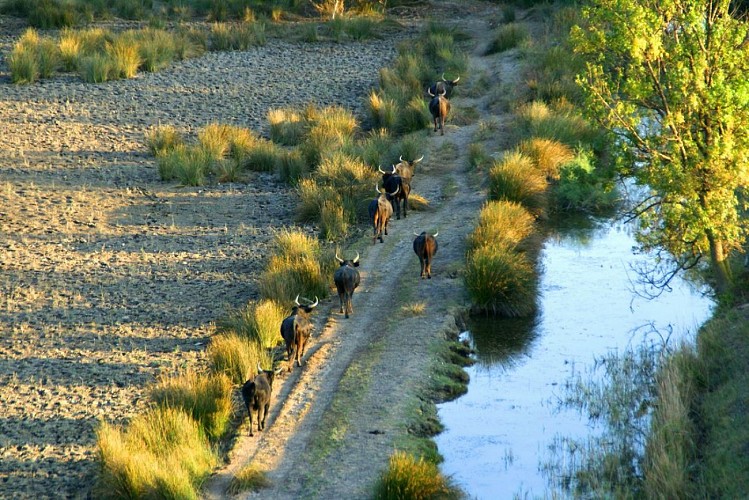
x: 507, y: 37
x: 162, y: 139
x: 505, y: 222
x: 584, y: 187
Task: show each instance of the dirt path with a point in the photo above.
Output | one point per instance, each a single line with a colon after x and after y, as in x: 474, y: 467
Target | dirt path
x: 338, y: 419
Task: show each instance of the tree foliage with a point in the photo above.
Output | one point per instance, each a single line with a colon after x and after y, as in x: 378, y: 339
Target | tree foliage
x: 669, y: 78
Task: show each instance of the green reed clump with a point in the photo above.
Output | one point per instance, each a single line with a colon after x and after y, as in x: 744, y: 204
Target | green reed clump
x: 161, y: 454
x: 407, y: 478
x: 502, y: 222
x: 583, y: 186
x: 547, y: 154
x: 236, y: 36
x: 501, y: 280
x: 292, y: 167
x: 125, y: 57
x: 561, y: 123
x: 287, y: 126
x: 207, y: 398
x: 515, y: 178
x: 96, y: 68
x: 507, y: 36
x: 263, y: 156
x: 23, y: 66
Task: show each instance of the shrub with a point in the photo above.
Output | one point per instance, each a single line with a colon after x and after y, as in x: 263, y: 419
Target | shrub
x: 162, y: 139
x: 548, y: 155
x: 502, y: 222
x: 292, y: 167
x: 507, y: 37
x: 237, y: 357
x: 257, y: 321
x: 23, y: 65
x: 515, y: 178
x: 70, y: 47
x: 294, y: 269
x: 361, y: 28
x: 96, y: 68
x: 583, y: 187
x: 312, y: 197
x: 501, y: 281
x: 125, y: 57
x: 409, y: 479
x: 287, y: 126
x: 207, y: 398
x: 162, y: 454
x: 227, y: 170
x: 264, y: 156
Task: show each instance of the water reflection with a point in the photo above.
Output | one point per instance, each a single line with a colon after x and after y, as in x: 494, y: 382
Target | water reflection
x: 498, y: 435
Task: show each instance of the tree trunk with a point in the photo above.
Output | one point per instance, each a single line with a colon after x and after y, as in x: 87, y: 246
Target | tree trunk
x: 719, y: 261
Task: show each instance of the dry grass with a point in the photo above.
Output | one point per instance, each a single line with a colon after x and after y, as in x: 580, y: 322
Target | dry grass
x: 515, y: 178
x: 502, y: 221
x: 237, y: 356
x: 258, y: 321
x: 414, y: 308
x: 248, y: 478
x: 548, y: 155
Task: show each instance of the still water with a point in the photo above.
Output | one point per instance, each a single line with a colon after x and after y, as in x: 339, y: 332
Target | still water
x: 498, y: 436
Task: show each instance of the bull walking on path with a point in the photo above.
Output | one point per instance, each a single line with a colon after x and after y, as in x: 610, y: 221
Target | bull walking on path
x: 425, y: 246
x: 439, y: 107
x: 296, y: 330
x: 256, y: 394
x: 394, y: 183
x: 380, y: 212
x: 347, y: 279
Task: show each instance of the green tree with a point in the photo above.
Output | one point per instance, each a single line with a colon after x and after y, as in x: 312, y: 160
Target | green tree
x: 671, y: 80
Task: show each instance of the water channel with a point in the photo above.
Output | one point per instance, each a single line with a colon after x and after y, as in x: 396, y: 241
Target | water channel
x: 498, y: 436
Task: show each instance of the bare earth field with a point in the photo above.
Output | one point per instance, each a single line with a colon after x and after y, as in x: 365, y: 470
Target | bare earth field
x: 109, y: 276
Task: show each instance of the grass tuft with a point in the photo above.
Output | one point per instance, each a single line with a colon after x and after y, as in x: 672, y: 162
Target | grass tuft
x: 248, y: 478
x: 515, y: 178
x: 407, y: 478
x: 237, y: 356
x: 258, y: 321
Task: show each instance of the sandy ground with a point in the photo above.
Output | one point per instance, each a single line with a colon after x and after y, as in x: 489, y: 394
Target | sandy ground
x: 110, y: 277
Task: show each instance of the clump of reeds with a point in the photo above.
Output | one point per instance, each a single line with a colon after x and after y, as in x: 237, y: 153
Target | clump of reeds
x: 161, y: 454
x: 259, y: 321
x: 507, y: 36
x: 515, y: 178
x: 237, y: 356
x: 207, y: 398
x: 162, y: 139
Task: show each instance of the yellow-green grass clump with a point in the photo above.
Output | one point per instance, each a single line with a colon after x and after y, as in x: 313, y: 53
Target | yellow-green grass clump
x: 237, y: 356
x: 162, y: 453
x: 407, y: 478
x: 287, y: 126
x: 207, y: 398
x: 259, y: 321
x: 501, y: 280
x: 189, y: 164
x: 33, y: 57
x: 549, y: 155
x: 561, y: 122
x: 502, y: 222
x: 516, y: 178
x: 295, y: 269
x: 162, y: 139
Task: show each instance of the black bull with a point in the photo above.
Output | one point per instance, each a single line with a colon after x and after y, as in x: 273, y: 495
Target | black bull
x: 296, y: 330
x: 347, y: 279
x: 256, y: 394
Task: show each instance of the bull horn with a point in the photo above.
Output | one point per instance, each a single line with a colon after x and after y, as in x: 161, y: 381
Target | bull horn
x: 443, y: 77
x: 356, y: 259
x: 393, y: 170
x: 259, y: 368
x: 417, y: 161
x: 435, y: 234
x: 377, y: 188
x: 417, y: 234
x: 296, y: 300
x: 398, y: 188
x: 456, y: 80
x: 379, y: 167
x: 401, y: 158
x: 429, y: 91
x: 277, y: 372
x: 315, y: 304
x: 443, y: 93
x: 340, y: 260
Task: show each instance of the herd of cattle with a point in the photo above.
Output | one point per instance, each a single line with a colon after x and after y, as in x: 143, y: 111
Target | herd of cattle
x: 296, y: 329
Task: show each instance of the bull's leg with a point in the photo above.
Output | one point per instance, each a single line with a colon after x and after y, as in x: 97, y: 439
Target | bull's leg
x: 265, y: 413
x: 249, y: 412
x: 435, y: 123
x: 342, y: 298
x: 291, y: 353
x: 405, y: 207
x: 421, y: 263
x: 442, y: 125
x: 428, y: 267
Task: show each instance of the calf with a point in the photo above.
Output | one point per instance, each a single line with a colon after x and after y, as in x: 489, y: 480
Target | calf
x: 439, y: 107
x: 296, y: 330
x: 394, y: 183
x: 425, y: 246
x: 256, y: 395
x: 346, y: 279
x: 380, y: 211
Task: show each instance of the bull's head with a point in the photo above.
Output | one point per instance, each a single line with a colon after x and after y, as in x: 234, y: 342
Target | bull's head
x: 451, y: 82
x: 424, y: 233
x: 354, y: 262
x: 307, y: 307
x: 411, y: 162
